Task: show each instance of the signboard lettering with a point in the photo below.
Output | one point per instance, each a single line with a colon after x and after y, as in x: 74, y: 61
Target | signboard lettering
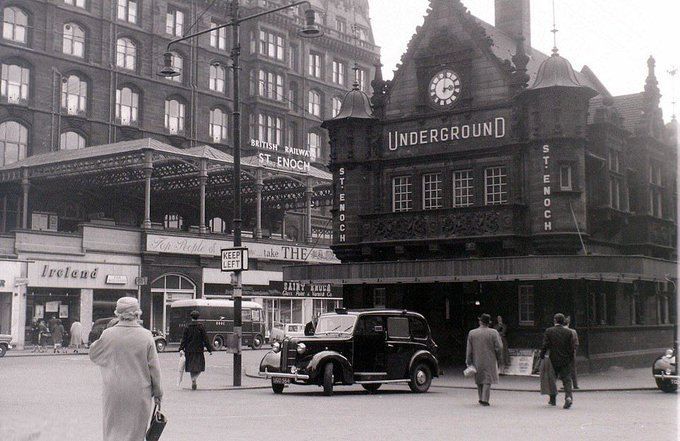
x: 488, y: 129
x: 68, y: 272
x: 547, y: 201
x: 234, y: 259
x: 341, y: 206
x: 281, y: 157
x: 256, y: 250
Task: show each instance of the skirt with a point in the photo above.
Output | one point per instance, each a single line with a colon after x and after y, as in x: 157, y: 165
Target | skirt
x: 195, y: 362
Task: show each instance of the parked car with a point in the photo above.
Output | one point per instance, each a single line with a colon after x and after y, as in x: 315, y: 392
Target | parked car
x: 160, y: 340
x: 665, y: 371
x: 5, y: 344
x: 282, y: 330
x: 98, y: 327
x: 367, y: 347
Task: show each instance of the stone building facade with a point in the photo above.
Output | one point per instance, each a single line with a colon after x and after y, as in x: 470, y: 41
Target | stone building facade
x: 490, y: 177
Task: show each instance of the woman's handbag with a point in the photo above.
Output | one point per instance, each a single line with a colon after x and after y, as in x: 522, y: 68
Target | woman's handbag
x: 182, y: 363
x: 158, y: 422
x: 470, y: 371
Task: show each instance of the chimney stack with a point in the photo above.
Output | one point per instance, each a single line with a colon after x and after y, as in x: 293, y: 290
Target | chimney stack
x: 513, y: 17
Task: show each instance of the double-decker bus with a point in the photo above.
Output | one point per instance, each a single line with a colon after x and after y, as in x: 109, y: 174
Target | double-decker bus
x: 217, y: 316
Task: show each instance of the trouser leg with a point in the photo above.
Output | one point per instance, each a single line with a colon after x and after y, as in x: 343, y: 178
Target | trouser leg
x: 565, y: 376
x: 486, y: 392
x: 574, y: 380
x: 480, y: 389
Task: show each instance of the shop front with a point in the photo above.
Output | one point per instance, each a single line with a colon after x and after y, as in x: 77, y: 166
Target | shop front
x: 12, y: 297
x: 75, y: 291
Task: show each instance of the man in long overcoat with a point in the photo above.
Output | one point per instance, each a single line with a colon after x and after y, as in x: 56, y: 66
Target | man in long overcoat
x: 127, y: 356
x: 194, y: 340
x: 484, y: 352
x: 559, y: 342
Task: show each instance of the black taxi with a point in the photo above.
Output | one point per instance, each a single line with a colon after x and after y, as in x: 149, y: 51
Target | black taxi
x: 367, y: 347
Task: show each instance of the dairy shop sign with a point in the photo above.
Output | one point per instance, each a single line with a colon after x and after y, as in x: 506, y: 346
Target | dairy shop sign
x: 256, y: 250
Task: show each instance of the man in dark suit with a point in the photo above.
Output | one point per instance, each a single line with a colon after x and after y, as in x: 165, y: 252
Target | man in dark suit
x: 559, y: 344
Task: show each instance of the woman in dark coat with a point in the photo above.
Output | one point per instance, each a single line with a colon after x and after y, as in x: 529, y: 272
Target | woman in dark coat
x: 193, y: 342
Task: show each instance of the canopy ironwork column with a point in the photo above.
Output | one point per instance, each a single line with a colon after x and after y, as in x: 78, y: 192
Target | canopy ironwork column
x: 25, y: 187
x: 202, y: 180
x: 148, y: 171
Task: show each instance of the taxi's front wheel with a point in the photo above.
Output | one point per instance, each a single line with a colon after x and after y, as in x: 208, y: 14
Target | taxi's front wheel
x: 328, y: 379
x: 421, y: 378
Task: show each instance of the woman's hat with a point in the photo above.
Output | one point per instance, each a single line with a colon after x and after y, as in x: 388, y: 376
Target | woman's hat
x: 127, y: 305
x: 485, y: 318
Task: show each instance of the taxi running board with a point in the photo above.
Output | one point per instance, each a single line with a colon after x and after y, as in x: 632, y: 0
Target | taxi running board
x: 382, y: 381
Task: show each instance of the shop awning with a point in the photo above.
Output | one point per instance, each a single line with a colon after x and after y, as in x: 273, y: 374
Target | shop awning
x: 608, y: 268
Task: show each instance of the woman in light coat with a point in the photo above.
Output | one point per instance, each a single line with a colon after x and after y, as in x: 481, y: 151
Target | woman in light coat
x: 127, y: 356
x: 76, y: 336
x: 484, y: 352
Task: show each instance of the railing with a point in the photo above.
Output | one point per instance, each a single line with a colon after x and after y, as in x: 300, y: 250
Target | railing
x: 450, y: 223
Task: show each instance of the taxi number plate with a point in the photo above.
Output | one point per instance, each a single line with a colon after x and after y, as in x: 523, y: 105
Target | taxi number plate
x: 280, y: 380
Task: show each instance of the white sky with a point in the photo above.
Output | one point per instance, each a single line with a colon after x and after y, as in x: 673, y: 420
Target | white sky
x: 613, y: 37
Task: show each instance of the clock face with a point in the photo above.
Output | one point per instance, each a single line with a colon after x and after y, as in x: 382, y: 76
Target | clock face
x: 444, y: 88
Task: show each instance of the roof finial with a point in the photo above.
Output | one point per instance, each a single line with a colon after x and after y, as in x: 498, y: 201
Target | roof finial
x: 355, y: 85
x: 554, y: 30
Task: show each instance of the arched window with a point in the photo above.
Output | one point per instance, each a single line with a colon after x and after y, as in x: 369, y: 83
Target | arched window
x: 74, y: 40
x: 126, y: 53
x: 174, y: 116
x: 217, y: 76
x: 71, y: 141
x: 127, y: 106
x: 217, y: 225
x: 219, y: 125
x: 74, y: 95
x: 173, y: 221
x: 14, y: 24
x: 14, y: 83
x: 314, y: 145
x: 337, y: 105
x: 164, y: 291
x: 13, y: 142
x: 314, y: 103
x: 178, y: 64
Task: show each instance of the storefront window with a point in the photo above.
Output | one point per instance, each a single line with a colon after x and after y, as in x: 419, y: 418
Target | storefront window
x: 104, y: 302
x: 50, y: 305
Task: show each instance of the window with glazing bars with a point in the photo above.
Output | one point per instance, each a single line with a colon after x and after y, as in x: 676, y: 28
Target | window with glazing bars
x: 402, y: 194
x: 463, y: 191
x: 432, y: 191
x: 495, y: 186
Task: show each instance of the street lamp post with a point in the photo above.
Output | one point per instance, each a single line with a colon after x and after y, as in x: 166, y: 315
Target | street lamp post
x: 310, y: 30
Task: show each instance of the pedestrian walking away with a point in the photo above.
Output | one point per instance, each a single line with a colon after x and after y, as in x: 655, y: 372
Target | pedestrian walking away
x: 76, y: 332
x: 484, y: 352
x: 58, y: 336
x: 43, y: 335
x: 502, y: 329
x: 575, y: 342
x: 194, y: 341
x: 559, y: 344
x: 127, y: 357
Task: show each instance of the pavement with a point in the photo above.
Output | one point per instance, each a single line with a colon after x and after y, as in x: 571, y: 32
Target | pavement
x: 614, y: 379
x: 57, y: 398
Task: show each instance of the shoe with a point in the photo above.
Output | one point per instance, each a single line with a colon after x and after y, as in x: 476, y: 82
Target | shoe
x: 480, y: 401
x: 484, y: 403
x: 567, y: 403
x: 576, y: 388
x: 553, y: 400
x: 193, y: 386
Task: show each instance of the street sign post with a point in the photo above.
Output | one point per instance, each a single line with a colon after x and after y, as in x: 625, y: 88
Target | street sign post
x: 235, y: 259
